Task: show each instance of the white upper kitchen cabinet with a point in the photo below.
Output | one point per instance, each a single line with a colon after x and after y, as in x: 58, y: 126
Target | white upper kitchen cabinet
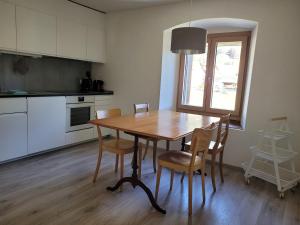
x: 46, y: 123
x: 71, y: 39
x: 36, y: 32
x: 7, y: 26
x: 96, y: 45
x: 52, y: 28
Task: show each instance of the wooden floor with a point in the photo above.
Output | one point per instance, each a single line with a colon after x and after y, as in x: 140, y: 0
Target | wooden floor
x: 57, y: 188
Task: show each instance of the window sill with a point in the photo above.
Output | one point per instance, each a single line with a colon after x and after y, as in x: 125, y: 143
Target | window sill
x: 235, y: 126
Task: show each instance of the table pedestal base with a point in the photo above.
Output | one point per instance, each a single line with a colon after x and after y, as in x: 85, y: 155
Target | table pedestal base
x: 134, y: 180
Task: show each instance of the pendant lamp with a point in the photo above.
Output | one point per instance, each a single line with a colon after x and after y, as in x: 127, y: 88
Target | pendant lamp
x: 188, y: 40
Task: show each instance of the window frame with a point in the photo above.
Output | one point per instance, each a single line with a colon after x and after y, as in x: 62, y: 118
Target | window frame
x: 212, y: 40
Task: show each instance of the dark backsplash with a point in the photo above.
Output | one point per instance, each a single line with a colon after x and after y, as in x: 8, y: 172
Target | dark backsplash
x: 44, y: 74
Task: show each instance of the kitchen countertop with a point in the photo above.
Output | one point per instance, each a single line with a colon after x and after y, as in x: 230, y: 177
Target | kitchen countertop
x: 50, y: 93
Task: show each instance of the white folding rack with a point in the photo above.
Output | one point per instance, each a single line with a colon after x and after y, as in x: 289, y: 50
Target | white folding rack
x: 273, y: 149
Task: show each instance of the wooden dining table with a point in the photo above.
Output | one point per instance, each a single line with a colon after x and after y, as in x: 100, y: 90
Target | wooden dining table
x: 160, y: 125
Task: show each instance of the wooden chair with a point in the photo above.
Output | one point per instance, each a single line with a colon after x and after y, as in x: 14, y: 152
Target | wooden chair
x: 187, y: 162
x: 116, y: 145
x: 217, y: 147
x: 144, y: 107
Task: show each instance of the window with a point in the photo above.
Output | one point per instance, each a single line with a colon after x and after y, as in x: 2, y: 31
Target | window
x: 213, y: 83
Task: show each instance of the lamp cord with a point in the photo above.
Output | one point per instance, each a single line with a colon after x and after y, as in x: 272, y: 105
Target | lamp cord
x: 190, y: 17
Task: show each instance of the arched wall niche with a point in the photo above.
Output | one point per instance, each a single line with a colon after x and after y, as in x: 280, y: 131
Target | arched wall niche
x: 170, y: 61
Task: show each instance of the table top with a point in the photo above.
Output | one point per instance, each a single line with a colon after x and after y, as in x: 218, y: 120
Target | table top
x: 166, y: 125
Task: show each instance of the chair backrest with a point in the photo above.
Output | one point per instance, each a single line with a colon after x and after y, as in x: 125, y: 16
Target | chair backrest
x: 223, y: 129
x: 201, y: 138
x: 143, y: 107
x: 109, y: 113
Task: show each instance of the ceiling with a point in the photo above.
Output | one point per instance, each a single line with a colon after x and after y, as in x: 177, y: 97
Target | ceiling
x: 221, y: 23
x: 117, y: 5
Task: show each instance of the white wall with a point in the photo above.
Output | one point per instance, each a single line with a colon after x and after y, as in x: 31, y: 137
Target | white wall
x: 169, y: 74
x: 134, y: 56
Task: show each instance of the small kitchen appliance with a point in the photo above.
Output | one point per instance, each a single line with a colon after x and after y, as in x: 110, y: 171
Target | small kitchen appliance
x: 98, y: 85
x: 86, y: 84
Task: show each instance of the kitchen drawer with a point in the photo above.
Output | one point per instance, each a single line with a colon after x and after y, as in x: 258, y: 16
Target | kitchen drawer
x: 103, y: 97
x: 104, y: 102
x: 80, y: 136
x: 13, y: 105
x: 102, y: 107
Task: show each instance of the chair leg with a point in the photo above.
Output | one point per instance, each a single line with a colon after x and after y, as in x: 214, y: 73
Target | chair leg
x: 182, y: 177
x: 117, y: 163
x: 98, y: 164
x: 167, y: 145
x: 146, y: 149
x: 154, y: 155
x: 140, y: 162
x: 122, y: 168
x: 203, y: 185
x: 213, y: 175
x: 157, y: 181
x: 171, y: 179
x: 190, y: 193
x: 221, y: 166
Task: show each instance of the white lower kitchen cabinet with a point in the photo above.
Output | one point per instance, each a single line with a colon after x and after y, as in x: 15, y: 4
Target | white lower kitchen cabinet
x: 46, y: 123
x: 103, y: 102
x: 79, y: 136
x: 13, y: 105
x: 13, y: 135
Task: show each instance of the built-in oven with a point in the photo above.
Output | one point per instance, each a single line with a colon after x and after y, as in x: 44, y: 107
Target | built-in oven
x: 80, y: 109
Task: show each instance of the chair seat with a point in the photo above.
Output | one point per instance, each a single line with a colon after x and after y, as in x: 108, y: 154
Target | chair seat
x: 211, y: 145
x: 118, y: 145
x: 178, y: 160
